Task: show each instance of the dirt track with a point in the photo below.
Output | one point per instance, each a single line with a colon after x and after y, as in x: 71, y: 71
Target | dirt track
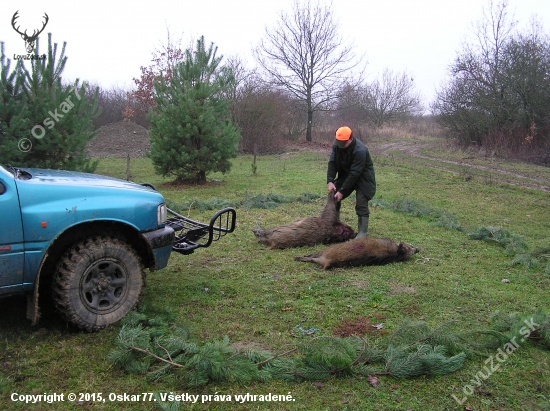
x: 122, y: 139
x: 495, y: 174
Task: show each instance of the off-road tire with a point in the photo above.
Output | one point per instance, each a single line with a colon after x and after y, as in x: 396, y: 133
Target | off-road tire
x: 97, y: 282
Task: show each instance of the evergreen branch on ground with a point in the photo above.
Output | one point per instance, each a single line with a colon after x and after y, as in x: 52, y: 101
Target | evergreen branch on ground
x: 160, y: 351
x: 513, y: 244
x: 524, y: 329
x: 262, y: 201
x: 534, y: 259
x: 416, y: 208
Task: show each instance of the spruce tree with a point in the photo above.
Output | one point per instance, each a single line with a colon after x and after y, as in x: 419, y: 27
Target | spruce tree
x: 47, y: 123
x: 192, y: 133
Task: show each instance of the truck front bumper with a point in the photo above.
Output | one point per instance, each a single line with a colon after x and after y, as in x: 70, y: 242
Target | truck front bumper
x: 160, y: 243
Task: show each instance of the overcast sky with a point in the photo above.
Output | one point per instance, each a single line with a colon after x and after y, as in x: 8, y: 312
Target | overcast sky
x: 108, y: 41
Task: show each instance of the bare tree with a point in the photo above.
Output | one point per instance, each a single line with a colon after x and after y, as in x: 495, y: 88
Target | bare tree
x: 392, y: 98
x: 351, y: 107
x: 499, y: 87
x: 305, y: 54
x: 112, y: 102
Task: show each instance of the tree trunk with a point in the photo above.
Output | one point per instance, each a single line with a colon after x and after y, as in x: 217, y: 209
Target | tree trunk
x: 309, y: 122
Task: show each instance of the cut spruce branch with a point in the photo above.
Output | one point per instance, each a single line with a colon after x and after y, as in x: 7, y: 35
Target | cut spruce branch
x: 513, y: 244
x: 158, y: 350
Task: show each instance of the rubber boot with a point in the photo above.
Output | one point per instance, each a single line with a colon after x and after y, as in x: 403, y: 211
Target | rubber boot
x: 363, y: 225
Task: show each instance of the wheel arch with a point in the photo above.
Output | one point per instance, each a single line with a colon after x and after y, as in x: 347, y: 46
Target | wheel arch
x: 124, y: 232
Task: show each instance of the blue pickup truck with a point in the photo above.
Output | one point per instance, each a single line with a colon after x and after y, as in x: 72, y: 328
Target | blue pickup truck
x: 88, y: 240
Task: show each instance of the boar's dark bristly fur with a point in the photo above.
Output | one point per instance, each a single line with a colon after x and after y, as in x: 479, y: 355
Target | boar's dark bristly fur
x: 326, y: 228
x: 361, y: 251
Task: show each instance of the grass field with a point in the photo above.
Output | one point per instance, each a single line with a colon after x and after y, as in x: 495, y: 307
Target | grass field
x: 238, y: 288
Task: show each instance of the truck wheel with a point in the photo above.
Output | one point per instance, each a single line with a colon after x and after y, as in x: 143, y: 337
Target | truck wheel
x: 97, y: 282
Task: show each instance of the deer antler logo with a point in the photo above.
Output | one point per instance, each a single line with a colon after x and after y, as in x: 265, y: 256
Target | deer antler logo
x: 29, y: 40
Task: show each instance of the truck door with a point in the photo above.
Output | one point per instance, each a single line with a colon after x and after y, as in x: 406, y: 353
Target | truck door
x: 11, y: 236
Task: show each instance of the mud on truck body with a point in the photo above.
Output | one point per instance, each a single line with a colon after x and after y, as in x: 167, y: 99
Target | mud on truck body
x: 88, y: 239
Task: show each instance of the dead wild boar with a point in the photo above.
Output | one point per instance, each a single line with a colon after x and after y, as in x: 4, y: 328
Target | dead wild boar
x: 326, y: 228
x: 361, y: 251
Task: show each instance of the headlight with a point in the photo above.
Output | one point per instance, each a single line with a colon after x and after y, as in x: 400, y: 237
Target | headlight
x: 161, y: 214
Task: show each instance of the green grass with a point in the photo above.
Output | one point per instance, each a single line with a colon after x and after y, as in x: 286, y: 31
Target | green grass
x: 253, y: 295
x: 489, y: 175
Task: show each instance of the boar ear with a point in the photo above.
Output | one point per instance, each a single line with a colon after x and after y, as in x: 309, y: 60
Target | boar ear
x: 401, y: 249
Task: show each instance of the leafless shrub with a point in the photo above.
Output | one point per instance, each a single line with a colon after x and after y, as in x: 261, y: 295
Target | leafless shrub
x: 112, y: 103
x: 260, y: 114
x: 498, y: 94
x: 412, y: 127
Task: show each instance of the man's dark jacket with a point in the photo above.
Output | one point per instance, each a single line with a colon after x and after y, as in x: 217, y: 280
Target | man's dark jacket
x: 354, y: 168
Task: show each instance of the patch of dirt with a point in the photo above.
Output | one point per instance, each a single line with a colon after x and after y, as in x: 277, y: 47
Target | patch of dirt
x: 402, y: 289
x: 360, y: 284
x: 119, y: 140
x: 359, y: 326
